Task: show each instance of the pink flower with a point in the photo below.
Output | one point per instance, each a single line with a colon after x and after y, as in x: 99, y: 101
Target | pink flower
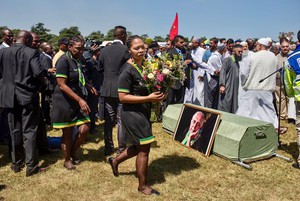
x: 160, y: 77
x: 157, y: 87
x: 144, y: 77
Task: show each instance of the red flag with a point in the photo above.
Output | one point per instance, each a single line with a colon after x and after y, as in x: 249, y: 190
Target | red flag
x: 174, y: 28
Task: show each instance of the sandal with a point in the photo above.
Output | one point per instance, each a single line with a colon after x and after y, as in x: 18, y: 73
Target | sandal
x: 282, y: 130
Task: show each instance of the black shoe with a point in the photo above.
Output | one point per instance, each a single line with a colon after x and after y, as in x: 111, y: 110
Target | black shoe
x: 17, y: 168
x: 108, y: 153
x: 36, y: 171
x: 115, y: 172
x: 296, y: 165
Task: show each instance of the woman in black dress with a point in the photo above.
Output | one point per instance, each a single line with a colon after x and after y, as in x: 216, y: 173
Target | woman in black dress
x: 69, y: 101
x: 135, y: 116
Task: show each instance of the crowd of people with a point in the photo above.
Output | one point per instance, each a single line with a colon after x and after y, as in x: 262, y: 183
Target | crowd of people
x: 76, y: 88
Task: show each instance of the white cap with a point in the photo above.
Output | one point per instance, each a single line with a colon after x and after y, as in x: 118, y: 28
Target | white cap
x: 244, y: 43
x: 269, y: 39
x: 264, y: 42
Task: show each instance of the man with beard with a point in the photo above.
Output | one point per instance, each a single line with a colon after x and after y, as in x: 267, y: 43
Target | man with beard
x: 279, y: 92
x: 197, y: 54
x: 257, y: 101
x: 229, y: 81
x: 229, y: 48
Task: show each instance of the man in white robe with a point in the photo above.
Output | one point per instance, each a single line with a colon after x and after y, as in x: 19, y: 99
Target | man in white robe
x: 197, y: 54
x: 257, y: 101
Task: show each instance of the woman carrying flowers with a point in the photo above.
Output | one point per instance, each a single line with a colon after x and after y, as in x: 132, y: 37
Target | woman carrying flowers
x: 136, y: 111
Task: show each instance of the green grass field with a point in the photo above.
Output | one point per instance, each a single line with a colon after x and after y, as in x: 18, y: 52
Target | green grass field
x: 177, y: 172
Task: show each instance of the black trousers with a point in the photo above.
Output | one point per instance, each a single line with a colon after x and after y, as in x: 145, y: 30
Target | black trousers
x: 112, y: 113
x: 92, y: 101
x: 23, y: 123
x: 46, y: 103
x: 211, y: 89
x: 41, y: 135
x: 4, y: 129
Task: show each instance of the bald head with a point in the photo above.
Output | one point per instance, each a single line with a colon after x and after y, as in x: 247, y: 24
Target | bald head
x: 7, y: 36
x: 197, y: 122
x: 24, y: 37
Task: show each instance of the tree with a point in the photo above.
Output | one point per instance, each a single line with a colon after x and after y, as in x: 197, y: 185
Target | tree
x: 109, y: 35
x: 69, y: 32
x: 129, y: 33
x: 289, y: 35
x: 96, y: 35
x: 42, y: 32
x: 144, y: 36
x: 148, y: 40
x: 158, y: 38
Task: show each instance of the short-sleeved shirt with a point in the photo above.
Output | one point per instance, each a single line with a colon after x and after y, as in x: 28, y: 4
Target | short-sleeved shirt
x: 135, y: 118
x: 66, y: 111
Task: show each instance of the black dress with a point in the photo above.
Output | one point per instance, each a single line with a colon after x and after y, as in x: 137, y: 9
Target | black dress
x: 66, y: 111
x: 135, y: 118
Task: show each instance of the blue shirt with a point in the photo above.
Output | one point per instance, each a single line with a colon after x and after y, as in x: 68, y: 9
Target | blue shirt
x: 294, y: 60
x: 206, y: 55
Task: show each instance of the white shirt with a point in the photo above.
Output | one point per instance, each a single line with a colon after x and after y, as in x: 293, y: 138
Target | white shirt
x: 5, y: 45
x: 197, y: 55
x: 117, y: 40
x: 214, y: 63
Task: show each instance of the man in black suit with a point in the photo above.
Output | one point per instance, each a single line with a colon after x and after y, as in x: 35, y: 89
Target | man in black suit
x: 46, y: 62
x: 110, y: 62
x: 7, y: 40
x: 21, y: 75
x: 176, y: 95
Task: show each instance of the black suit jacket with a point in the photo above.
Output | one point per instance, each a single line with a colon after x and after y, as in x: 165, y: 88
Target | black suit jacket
x: 110, y: 62
x: 46, y: 63
x: 21, y: 75
x: 186, y: 56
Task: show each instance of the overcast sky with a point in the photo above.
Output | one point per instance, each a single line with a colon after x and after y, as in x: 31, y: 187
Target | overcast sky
x: 220, y: 18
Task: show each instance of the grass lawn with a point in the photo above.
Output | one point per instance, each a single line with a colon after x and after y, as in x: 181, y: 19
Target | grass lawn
x: 177, y: 172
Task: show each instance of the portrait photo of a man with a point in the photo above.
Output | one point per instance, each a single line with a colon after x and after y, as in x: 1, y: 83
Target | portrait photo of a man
x: 196, y: 128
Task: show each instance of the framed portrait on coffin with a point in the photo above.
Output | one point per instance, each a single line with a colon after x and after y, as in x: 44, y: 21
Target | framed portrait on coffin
x: 196, y: 128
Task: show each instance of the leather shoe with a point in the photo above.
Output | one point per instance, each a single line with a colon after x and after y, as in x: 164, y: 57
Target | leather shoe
x: 115, y: 172
x: 36, y: 171
x: 17, y: 168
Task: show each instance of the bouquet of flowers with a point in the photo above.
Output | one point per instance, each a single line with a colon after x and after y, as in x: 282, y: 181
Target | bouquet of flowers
x: 160, y: 74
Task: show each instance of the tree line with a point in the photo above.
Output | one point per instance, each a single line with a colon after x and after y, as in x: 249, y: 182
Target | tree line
x: 46, y: 36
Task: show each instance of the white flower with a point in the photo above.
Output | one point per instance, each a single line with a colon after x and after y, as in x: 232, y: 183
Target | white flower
x: 165, y: 71
x: 150, y: 76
